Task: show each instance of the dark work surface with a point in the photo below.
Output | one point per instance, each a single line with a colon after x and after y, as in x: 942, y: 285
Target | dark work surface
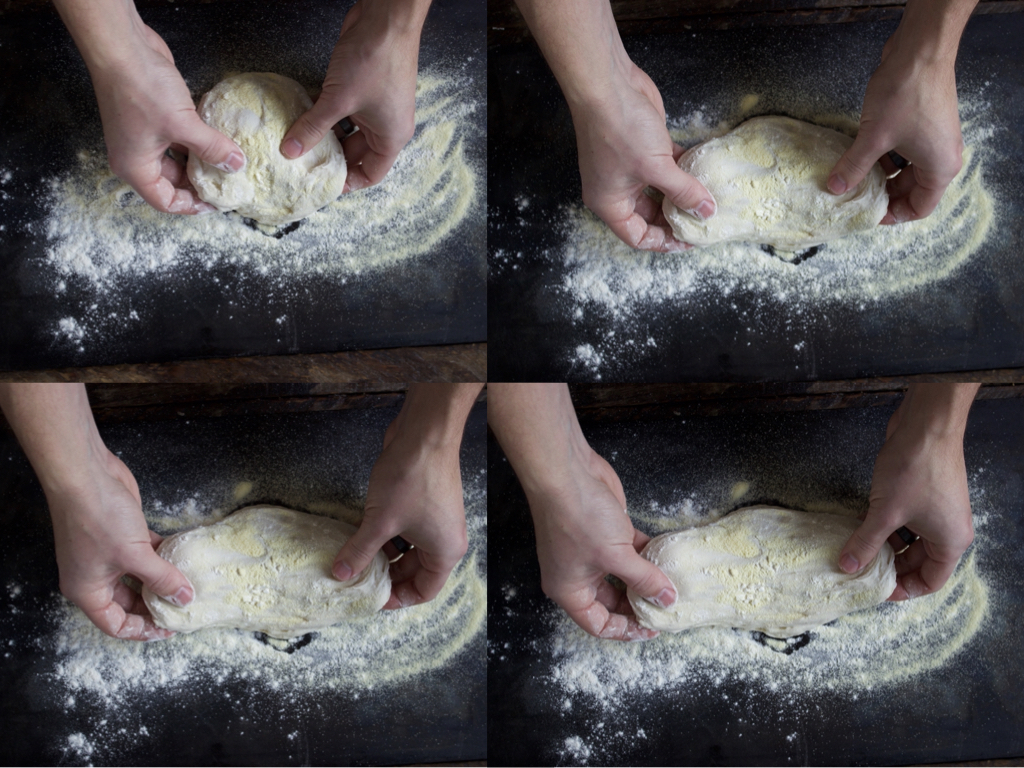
x: 438, y: 716
x: 968, y: 709
x: 48, y: 112
x: 970, y: 320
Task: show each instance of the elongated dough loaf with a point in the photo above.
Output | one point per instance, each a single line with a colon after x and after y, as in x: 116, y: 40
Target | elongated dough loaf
x: 768, y: 176
x: 268, y: 569
x: 763, y: 568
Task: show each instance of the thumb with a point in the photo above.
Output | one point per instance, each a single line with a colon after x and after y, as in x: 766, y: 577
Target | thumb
x: 646, y: 579
x: 856, y: 162
x: 686, y: 193
x: 865, y: 542
x: 311, y: 127
x: 163, y: 579
x: 211, y: 146
x: 359, y: 551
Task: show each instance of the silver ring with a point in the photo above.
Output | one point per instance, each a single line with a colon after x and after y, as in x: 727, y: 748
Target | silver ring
x: 347, y: 127
x: 898, y: 160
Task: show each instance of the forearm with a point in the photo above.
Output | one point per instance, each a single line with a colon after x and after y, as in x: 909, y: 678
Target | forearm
x: 537, y: 428
x: 932, y: 28
x: 55, y: 427
x: 938, y: 410
x: 105, y: 31
x: 401, y: 17
x: 435, y: 414
x: 581, y: 43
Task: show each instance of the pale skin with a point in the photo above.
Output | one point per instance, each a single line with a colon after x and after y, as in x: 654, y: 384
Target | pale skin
x: 920, y: 481
x: 910, y: 106
x: 371, y: 79
x: 584, y: 534
x: 579, y: 511
x: 100, y: 532
x: 146, y: 107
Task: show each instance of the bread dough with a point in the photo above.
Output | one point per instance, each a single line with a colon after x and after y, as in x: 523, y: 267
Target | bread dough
x: 268, y: 569
x: 763, y: 568
x: 768, y: 177
x: 256, y: 109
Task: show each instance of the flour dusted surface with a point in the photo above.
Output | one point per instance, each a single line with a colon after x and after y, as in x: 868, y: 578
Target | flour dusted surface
x: 268, y: 569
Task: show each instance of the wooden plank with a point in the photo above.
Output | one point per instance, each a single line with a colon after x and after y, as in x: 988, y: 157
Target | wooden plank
x: 359, y: 371
x: 641, y: 17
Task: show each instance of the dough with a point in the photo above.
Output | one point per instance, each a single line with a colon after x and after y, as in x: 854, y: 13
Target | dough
x: 267, y: 569
x: 763, y: 568
x: 768, y: 177
x: 256, y: 109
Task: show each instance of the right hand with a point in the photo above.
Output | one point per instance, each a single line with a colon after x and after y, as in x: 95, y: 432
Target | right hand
x: 625, y: 147
x: 100, y: 535
x: 146, y: 108
x: 583, y: 534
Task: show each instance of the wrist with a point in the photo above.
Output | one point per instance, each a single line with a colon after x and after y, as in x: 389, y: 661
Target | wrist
x: 938, y: 412
x: 402, y: 18
x: 930, y: 30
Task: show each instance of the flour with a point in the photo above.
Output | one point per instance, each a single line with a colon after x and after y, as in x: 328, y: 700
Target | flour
x: 104, y: 240
x: 608, y: 283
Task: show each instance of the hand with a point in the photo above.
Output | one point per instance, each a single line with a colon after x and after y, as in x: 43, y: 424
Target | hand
x: 625, y: 147
x: 583, y: 534
x: 146, y: 109
x: 415, y: 492
x: 920, y: 481
x: 100, y: 535
x: 371, y: 79
x: 910, y: 106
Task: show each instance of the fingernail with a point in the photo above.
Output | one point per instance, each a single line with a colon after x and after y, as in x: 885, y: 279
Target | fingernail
x: 234, y: 163
x: 836, y: 184
x: 704, y: 211
x: 342, y: 572
x: 291, y: 148
x: 182, y: 597
x: 849, y: 563
x: 204, y: 208
x: 664, y: 599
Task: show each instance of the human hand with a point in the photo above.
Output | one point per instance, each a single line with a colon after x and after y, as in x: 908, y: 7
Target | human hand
x: 415, y: 492
x: 371, y: 79
x: 919, y: 481
x: 100, y: 535
x: 624, y: 147
x: 583, y: 534
x: 910, y: 107
x: 146, y: 109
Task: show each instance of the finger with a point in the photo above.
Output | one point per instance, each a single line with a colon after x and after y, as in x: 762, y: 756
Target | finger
x: 359, y: 551
x: 646, y: 579
x: 310, y: 128
x: 129, y: 599
x: 114, y: 621
x: 608, y: 596
x: 863, y: 545
x: 174, y: 172
x: 600, y: 622
x: 155, y: 539
x: 162, y: 578
x: 856, y: 163
x: 163, y: 196
x: 686, y: 193
x: 371, y: 171
x: 910, y: 200
x: 640, y: 540
x: 427, y: 581
x: 647, y: 208
x: 677, y: 152
x: 930, y: 577
x: 210, y: 145
x: 888, y: 165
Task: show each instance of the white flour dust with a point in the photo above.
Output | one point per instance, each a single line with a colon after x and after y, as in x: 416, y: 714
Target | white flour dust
x: 362, y: 658
x: 608, y: 283
x: 103, y: 240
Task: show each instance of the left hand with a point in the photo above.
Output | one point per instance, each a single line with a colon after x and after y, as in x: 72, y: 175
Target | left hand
x: 415, y: 492
x: 371, y: 79
x: 910, y: 106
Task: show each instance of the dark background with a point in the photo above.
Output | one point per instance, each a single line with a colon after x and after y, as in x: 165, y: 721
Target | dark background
x: 439, y: 716
x: 48, y: 112
x: 972, y: 320
x: 972, y: 708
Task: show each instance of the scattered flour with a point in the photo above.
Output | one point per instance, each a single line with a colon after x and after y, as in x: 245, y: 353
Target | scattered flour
x: 103, y: 239
x: 607, y: 280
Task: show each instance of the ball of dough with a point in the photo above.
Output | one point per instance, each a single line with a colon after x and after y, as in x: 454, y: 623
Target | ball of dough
x: 256, y: 109
x: 763, y: 568
x: 267, y: 569
x: 768, y: 176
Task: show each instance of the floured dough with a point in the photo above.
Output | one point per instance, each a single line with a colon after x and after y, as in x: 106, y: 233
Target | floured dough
x: 763, y: 568
x: 268, y: 569
x: 768, y: 176
x: 256, y: 109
